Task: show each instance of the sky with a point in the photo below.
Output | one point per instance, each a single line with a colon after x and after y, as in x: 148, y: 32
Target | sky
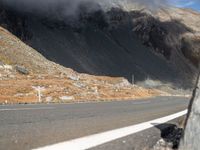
x: 193, y: 4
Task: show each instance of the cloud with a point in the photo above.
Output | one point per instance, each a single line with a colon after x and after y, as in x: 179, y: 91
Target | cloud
x: 186, y: 4
x: 193, y: 4
x: 71, y: 7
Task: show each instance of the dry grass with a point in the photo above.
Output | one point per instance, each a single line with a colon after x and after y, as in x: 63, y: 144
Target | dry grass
x: 90, y: 88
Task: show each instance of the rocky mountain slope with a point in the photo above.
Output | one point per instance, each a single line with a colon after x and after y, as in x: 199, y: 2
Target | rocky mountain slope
x: 162, y: 46
x: 14, y: 52
x: 22, y: 69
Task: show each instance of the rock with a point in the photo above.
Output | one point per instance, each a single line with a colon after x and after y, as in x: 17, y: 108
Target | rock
x: 96, y: 90
x: 8, y: 67
x: 74, y: 78
x: 19, y: 95
x: 11, y: 76
x: 171, y: 136
x: 79, y: 84
x: 163, y: 145
x: 191, y: 140
x: 122, y: 83
x: 49, y: 99
x: 65, y: 98
x: 22, y: 70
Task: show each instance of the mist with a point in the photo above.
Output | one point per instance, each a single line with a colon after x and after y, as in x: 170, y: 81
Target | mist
x: 72, y: 7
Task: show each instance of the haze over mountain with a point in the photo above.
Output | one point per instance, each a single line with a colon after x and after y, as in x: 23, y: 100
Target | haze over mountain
x: 125, y: 39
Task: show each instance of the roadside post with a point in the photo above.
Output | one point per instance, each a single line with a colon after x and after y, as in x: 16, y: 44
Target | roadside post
x: 133, y: 79
x: 39, y: 89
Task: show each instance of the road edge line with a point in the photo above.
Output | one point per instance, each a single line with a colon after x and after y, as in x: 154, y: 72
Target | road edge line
x: 108, y: 136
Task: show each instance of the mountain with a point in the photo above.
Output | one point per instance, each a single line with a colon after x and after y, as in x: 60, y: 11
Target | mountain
x: 162, y: 46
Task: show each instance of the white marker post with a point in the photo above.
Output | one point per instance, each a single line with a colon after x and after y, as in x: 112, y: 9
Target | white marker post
x: 133, y: 79
x: 39, y: 89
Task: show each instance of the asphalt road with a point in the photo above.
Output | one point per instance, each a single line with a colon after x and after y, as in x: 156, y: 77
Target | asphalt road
x: 31, y: 126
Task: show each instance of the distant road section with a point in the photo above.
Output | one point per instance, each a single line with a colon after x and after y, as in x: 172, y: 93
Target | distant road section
x: 31, y: 126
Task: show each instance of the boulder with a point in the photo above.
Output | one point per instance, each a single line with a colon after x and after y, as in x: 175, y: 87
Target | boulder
x: 66, y: 98
x: 49, y: 99
x: 8, y: 67
x: 21, y: 70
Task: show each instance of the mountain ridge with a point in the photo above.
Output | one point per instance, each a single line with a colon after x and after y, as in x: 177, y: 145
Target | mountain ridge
x: 118, y: 34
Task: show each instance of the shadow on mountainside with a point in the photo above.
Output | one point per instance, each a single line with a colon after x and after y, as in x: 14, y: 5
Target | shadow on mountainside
x: 113, y: 43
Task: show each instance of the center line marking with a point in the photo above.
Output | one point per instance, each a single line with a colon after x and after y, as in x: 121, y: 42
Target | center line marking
x: 105, y: 137
x: 16, y: 109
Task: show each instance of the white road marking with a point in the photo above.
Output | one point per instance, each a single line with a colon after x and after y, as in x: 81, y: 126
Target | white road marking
x: 16, y: 109
x: 101, y: 138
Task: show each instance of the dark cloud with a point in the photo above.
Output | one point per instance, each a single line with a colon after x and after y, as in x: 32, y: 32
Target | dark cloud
x: 72, y: 7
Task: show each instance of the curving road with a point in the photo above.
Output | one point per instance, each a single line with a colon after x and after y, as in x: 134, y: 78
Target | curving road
x: 31, y: 126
